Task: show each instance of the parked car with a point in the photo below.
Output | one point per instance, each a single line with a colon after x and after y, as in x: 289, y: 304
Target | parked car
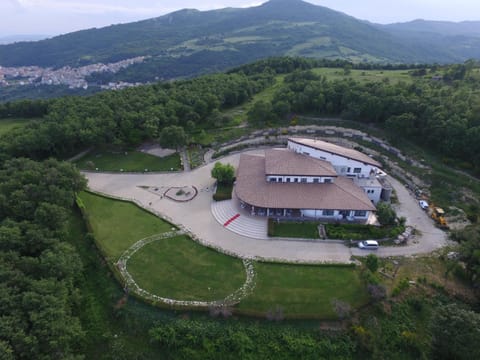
x: 423, y: 204
x: 368, y: 245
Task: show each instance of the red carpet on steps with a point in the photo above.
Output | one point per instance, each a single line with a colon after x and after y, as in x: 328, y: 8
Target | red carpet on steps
x: 231, y: 219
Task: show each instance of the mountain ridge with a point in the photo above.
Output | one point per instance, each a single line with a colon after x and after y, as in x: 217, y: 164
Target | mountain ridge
x: 189, y: 42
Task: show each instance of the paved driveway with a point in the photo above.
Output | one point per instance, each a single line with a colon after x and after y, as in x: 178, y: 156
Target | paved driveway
x: 196, y: 217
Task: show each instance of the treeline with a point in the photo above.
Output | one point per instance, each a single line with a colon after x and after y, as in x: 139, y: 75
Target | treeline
x: 442, y: 116
x: 190, y: 339
x: 24, y: 109
x: 128, y: 116
x: 38, y: 268
x: 285, y: 65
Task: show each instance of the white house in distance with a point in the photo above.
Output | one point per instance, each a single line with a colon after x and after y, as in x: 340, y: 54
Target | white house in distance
x: 309, y: 179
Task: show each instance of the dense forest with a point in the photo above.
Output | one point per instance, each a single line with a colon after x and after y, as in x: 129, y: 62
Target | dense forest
x: 39, y: 269
x: 40, y: 314
x: 442, y: 115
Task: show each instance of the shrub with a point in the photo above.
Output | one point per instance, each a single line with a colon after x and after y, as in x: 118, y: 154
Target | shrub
x: 371, y: 262
x: 385, y: 214
x: 223, y: 192
x: 402, y: 285
x: 377, y: 291
x: 271, y: 227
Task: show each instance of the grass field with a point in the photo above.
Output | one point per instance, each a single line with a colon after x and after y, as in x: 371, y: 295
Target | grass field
x: 8, y: 124
x: 393, y: 76
x: 304, y: 291
x: 118, y: 225
x: 181, y: 269
x: 305, y: 230
x: 128, y: 161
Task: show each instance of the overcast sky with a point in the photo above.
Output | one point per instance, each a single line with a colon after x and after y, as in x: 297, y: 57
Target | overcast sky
x: 53, y: 17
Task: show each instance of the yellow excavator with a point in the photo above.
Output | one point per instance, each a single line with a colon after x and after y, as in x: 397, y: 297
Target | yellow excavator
x: 438, y: 214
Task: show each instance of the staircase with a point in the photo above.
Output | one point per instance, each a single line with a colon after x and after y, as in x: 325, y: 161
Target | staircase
x: 238, y: 221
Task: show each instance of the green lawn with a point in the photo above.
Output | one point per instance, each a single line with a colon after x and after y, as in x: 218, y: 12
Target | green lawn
x: 118, y: 225
x: 305, y: 230
x: 8, y: 124
x: 304, y: 290
x: 179, y: 268
x: 128, y: 161
x: 182, y: 269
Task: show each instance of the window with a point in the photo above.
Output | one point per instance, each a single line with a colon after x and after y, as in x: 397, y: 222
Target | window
x: 296, y: 180
x: 273, y: 179
x: 280, y: 180
x: 360, y: 213
x: 316, y: 180
x: 357, y: 170
x: 348, y: 169
x: 306, y: 153
x: 323, y: 158
x: 288, y: 179
x: 327, y: 212
x: 304, y: 180
x: 327, y: 181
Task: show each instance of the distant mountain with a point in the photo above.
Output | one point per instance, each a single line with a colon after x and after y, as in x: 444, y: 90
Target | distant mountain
x: 445, y: 28
x: 189, y: 42
x: 18, y: 38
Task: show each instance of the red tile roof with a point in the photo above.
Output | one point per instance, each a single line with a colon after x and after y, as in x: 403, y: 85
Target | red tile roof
x: 252, y: 187
x: 287, y: 162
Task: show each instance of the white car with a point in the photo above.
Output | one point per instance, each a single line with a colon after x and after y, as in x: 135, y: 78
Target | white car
x: 423, y: 204
x: 368, y: 244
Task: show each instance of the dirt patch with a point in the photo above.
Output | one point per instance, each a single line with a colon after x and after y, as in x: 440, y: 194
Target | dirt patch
x: 156, y: 150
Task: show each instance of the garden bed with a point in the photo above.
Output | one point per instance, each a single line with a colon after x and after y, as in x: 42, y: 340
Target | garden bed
x: 223, y: 192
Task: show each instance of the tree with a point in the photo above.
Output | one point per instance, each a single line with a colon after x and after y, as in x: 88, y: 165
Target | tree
x: 455, y: 333
x: 224, y: 173
x: 385, y: 214
x: 371, y: 262
x: 470, y: 251
x: 173, y: 137
x: 261, y: 112
x: 377, y: 291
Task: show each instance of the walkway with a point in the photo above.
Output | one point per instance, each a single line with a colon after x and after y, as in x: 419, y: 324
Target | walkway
x: 225, y: 212
x: 196, y: 217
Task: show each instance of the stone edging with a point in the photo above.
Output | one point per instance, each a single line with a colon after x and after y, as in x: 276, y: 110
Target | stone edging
x: 181, y: 187
x: 130, y: 283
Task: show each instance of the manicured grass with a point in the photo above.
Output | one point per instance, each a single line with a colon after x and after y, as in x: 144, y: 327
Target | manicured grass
x: 117, y: 224
x: 181, y: 269
x: 304, y: 291
x: 8, y: 124
x: 128, y: 161
x: 305, y: 230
